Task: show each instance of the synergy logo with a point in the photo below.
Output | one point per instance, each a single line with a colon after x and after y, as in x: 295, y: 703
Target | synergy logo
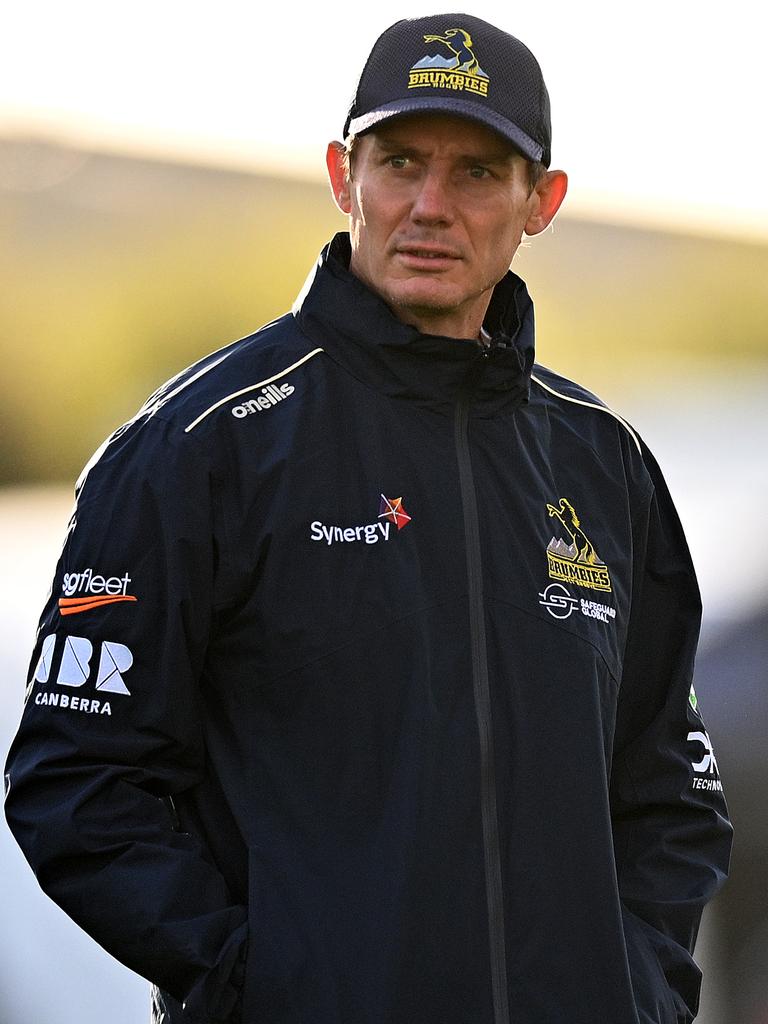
x: 391, y: 512
x: 93, y: 590
x: 575, y: 562
x: 459, y: 72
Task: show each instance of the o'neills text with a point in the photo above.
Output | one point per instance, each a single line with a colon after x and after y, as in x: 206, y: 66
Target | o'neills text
x: 270, y: 396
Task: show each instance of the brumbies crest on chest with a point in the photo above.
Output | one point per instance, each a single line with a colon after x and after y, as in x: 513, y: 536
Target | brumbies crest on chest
x: 573, y: 560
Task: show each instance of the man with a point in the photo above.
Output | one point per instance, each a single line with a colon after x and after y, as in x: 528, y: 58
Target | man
x: 363, y: 693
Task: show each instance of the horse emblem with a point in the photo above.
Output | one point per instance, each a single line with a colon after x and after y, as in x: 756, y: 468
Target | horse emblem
x: 459, y: 42
x: 575, y: 562
x: 457, y: 71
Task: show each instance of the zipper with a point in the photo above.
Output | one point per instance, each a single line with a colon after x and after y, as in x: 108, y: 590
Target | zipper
x: 481, y: 686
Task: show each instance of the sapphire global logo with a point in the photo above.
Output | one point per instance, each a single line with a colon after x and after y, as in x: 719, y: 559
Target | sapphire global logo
x: 575, y: 562
x: 391, y: 513
x: 459, y: 72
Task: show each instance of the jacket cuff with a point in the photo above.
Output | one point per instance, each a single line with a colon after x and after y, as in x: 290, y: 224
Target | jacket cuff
x: 217, y: 997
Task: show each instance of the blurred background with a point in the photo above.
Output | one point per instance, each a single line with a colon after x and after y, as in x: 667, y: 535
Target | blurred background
x: 161, y: 193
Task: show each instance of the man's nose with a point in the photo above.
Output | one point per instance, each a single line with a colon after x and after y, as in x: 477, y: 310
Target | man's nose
x: 432, y: 203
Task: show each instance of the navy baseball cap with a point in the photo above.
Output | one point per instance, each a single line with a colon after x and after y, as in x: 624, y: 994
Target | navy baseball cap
x: 455, y: 64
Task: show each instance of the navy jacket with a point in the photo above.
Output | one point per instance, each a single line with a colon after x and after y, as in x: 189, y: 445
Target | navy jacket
x: 363, y: 694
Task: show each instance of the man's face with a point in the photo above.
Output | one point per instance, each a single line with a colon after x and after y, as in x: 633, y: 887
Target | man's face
x: 437, y: 206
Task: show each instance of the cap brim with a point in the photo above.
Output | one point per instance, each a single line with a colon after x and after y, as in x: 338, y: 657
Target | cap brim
x: 463, y: 108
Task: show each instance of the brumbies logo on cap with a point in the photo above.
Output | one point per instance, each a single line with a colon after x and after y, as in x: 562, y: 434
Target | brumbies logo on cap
x: 575, y: 562
x: 460, y: 71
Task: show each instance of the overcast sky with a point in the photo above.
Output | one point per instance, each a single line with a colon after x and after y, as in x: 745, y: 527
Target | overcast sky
x: 658, y: 110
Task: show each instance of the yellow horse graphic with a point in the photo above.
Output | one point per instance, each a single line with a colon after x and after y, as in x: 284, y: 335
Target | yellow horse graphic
x: 461, y: 49
x: 585, y: 551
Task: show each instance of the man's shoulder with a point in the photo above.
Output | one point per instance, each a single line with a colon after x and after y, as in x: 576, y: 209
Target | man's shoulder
x: 227, y: 372
x: 574, y: 400
x: 557, y: 386
x: 165, y: 427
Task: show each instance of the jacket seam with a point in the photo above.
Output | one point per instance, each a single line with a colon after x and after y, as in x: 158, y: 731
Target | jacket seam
x: 570, y: 632
x: 355, y: 639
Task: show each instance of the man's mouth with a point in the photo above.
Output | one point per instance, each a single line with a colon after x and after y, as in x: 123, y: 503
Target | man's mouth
x: 435, y: 256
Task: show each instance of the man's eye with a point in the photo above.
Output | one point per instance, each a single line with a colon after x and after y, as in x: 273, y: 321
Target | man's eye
x: 398, y: 162
x: 479, y: 172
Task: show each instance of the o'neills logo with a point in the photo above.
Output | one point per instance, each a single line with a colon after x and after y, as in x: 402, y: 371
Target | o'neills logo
x: 459, y: 72
x: 270, y: 395
x: 575, y: 562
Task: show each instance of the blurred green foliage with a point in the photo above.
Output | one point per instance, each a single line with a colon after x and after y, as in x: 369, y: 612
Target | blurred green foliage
x: 117, y: 272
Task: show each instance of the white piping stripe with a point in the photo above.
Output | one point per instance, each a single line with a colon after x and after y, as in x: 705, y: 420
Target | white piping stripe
x: 251, y: 387
x: 590, y: 405
x: 160, y: 402
x: 146, y: 408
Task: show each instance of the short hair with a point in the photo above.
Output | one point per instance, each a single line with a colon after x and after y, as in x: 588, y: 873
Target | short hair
x: 536, y: 169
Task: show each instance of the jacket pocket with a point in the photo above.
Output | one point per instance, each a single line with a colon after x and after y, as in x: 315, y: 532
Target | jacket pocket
x: 654, y: 1000
x: 275, y: 958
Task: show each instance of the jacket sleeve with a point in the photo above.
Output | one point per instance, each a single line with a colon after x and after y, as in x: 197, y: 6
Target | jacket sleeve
x: 112, y: 723
x: 671, y: 831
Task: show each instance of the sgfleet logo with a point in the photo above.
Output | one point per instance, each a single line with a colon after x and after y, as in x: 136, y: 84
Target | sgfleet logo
x: 391, y: 513
x: 270, y: 396
x: 76, y: 655
x: 93, y: 591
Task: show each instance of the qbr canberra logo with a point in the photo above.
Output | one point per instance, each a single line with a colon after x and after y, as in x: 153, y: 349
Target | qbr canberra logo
x: 575, y: 562
x: 459, y: 72
x: 75, y: 669
x: 391, y: 513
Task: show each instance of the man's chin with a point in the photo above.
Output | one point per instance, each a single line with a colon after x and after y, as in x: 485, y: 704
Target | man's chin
x: 424, y: 300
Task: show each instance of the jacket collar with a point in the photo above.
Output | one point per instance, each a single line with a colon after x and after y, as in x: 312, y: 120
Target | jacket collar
x: 357, y: 330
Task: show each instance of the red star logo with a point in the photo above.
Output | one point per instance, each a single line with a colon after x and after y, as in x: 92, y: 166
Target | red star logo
x: 392, y: 509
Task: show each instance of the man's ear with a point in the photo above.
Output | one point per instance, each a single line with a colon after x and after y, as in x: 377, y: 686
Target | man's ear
x: 550, y: 190
x: 337, y: 163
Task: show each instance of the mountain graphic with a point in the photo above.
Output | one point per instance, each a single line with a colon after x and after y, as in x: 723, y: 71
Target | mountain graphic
x: 436, y: 62
x: 558, y: 547
x: 445, y: 64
